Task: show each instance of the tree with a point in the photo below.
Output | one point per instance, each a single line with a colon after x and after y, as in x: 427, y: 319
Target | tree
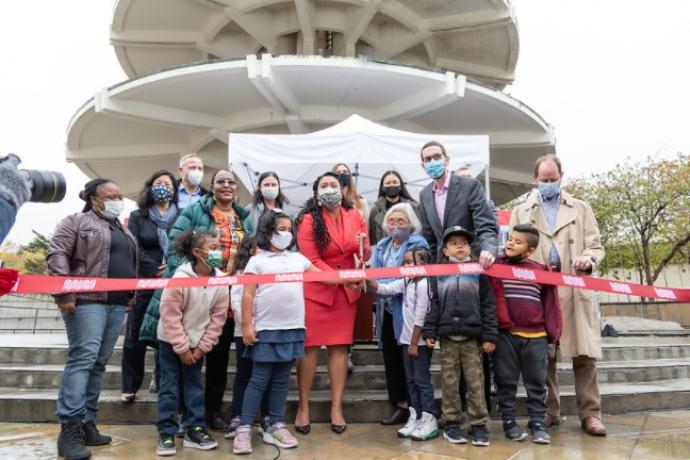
x: 34, y: 254
x: 29, y: 258
x: 643, y: 211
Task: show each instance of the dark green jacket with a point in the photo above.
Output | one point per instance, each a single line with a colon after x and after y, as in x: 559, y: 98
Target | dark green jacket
x: 194, y: 217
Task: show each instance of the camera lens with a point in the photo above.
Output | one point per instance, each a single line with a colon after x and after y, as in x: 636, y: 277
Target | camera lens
x: 46, y: 186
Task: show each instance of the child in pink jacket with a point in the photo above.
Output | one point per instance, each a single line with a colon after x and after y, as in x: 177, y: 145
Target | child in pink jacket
x: 191, y: 320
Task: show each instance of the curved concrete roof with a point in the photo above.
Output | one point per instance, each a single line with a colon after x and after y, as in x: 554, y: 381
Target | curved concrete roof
x: 140, y: 125
x: 478, y: 38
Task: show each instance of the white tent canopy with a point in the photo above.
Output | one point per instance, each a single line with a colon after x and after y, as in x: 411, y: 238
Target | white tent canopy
x: 369, y: 149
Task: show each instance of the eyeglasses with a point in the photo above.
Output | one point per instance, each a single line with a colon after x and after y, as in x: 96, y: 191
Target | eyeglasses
x: 430, y: 158
x: 229, y: 182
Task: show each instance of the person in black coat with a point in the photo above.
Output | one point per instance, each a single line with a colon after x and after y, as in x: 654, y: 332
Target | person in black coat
x: 150, y: 225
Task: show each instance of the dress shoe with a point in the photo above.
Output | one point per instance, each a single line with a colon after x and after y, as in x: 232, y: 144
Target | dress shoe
x: 217, y: 423
x: 338, y: 429
x: 552, y: 421
x: 593, y: 426
x: 398, y: 417
x: 303, y: 429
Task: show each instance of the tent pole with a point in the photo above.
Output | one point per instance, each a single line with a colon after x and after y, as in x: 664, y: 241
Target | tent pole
x: 486, y: 183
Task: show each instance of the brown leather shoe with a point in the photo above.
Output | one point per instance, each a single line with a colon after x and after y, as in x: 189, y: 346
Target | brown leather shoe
x: 593, y: 426
x: 552, y: 421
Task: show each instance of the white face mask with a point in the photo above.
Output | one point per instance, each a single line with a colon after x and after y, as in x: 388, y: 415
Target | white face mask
x: 281, y: 240
x: 270, y: 192
x: 112, y: 208
x: 195, y: 176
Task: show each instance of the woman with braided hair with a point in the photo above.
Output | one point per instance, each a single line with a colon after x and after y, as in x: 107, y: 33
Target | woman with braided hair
x: 330, y: 233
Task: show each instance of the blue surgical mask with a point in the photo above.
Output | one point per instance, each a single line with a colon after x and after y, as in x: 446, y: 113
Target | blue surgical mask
x: 435, y: 168
x: 549, y: 189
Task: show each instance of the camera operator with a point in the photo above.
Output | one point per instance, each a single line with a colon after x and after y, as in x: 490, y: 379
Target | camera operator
x: 15, y: 189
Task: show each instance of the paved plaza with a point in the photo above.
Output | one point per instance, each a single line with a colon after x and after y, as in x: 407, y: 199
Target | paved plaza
x: 648, y: 436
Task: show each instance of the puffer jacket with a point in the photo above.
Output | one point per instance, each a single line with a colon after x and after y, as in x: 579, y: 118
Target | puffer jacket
x: 461, y: 305
x: 81, y: 247
x: 195, y: 217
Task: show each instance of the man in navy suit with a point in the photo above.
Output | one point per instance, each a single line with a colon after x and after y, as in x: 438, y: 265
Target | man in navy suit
x: 453, y: 200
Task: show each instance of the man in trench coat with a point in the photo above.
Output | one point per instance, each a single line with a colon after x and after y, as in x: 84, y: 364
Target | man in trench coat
x: 569, y: 243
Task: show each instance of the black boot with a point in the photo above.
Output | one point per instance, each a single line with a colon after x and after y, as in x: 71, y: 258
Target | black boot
x: 398, y: 417
x: 71, y: 440
x: 93, y: 437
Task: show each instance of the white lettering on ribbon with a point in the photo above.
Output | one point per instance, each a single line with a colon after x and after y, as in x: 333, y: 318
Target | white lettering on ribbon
x: 352, y: 274
x: 469, y: 268
x: 222, y: 280
x: 524, y: 274
x: 575, y: 281
x: 289, y: 277
x: 152, y: 284
x: 413, y: 271
x: 70, y: 285
x: 620, y: 287
x: 665, y: 293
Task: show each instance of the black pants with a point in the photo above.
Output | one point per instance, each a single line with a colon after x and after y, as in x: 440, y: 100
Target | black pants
x: 134, y: 350
x: 518, y: 355
x: 393, y: 362
x: 217, y: 370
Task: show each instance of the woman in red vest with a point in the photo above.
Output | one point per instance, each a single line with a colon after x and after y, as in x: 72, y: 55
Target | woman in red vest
x: 333, y: 236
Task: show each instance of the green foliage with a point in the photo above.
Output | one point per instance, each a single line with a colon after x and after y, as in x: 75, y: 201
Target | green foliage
x: 643, y: 211
x: 29, y: 258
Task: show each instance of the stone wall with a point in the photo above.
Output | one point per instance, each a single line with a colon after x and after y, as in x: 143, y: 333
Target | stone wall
x: 663, y: 311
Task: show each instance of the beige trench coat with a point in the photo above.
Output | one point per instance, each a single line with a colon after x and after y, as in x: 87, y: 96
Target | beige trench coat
x: 576, y: 234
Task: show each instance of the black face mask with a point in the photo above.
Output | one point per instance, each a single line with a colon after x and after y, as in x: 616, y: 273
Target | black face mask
x: 392, y: 191
x: 344, y: 179
x: 515, y: 258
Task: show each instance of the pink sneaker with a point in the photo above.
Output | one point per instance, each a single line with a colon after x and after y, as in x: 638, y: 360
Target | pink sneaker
x: 242, y: 444
x: 278, y: 435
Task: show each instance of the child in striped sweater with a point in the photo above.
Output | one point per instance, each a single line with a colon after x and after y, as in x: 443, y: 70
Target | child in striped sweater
x: 529, y: 319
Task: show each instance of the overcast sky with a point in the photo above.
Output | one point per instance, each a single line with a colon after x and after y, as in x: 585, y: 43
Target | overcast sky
x: 610, y: 76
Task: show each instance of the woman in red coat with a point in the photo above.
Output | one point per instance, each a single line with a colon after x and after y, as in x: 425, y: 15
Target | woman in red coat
x: 329, y: 234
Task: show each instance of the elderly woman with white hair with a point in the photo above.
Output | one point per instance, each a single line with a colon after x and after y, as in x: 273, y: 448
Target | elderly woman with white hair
x: 402, y: 227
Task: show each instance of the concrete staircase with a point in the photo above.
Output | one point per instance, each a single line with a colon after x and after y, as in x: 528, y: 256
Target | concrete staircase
x: 636, y: 374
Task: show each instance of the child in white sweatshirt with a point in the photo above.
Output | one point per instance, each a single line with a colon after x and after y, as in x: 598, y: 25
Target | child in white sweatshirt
x: 422, y: 423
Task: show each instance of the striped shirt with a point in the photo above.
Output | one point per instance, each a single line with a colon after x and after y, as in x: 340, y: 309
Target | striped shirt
x: 523, y: 299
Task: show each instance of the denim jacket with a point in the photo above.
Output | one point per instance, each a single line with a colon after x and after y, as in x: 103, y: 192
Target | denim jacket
x: 394, y: 302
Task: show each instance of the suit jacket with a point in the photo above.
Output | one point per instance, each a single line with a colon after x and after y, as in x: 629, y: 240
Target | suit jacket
x: 466, y: 205
x: 339, y: 255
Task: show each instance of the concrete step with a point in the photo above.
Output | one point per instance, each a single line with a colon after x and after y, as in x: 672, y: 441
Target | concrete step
x: 364, y: 377
x: 620, y: 349
x: 33, y: 405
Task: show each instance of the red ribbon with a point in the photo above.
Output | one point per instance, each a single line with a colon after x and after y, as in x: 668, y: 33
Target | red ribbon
x: 34, y: 284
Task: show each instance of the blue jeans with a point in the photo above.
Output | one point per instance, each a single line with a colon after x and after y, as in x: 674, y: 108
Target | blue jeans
x: 169, y: 391
x: 242, y: 376
x: 418, y: 375
x: 271, y: 377
x: 92, y: 331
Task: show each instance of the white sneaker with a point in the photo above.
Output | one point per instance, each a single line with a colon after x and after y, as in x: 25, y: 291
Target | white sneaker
x: 410, y: 426
x: 427, y: 428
